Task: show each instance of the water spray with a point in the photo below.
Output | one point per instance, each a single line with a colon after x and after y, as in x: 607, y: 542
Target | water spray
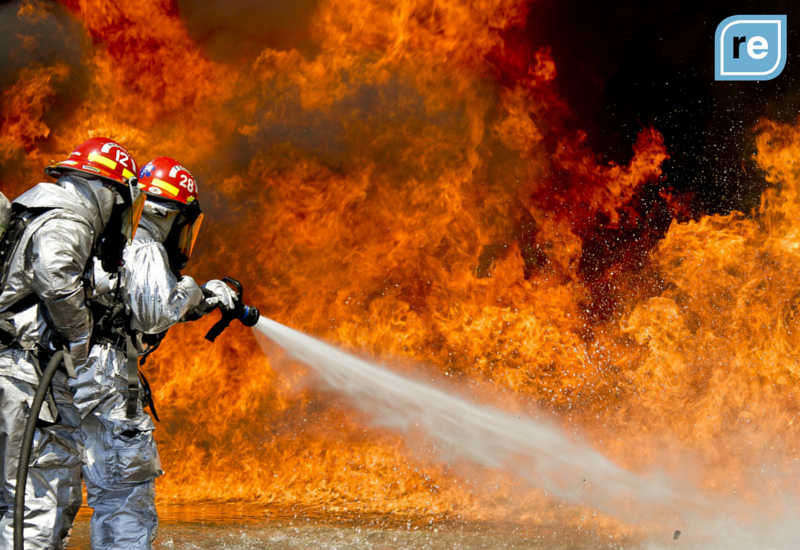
x: 534, y: 449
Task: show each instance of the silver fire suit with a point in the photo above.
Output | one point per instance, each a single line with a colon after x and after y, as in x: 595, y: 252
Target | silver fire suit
x: 122, y: 459
x: 43, y: 306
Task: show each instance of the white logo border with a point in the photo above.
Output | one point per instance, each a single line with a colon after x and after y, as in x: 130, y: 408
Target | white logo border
x: 722, y: 48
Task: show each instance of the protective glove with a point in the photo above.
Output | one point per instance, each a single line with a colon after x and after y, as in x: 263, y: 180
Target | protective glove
x: 104, y: 284
x: 217, y: 294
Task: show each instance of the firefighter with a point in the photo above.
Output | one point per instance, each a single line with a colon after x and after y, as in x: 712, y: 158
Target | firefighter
x: 91, y: 211
x: 148, y: 298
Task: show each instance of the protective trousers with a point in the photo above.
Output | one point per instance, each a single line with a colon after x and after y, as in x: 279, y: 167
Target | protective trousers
x: 53, y: 491
x: 122, y: 460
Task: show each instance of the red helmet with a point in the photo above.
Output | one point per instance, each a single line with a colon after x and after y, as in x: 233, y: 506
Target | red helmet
x: 165, y: 178
x: 107, y: 160
x: 98, y: 157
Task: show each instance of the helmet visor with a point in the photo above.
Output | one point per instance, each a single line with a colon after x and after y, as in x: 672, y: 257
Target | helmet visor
x: 188, y: 236
x: 132, y: 215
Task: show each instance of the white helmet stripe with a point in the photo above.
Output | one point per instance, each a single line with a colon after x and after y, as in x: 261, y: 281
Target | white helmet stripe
x: 177, y: 168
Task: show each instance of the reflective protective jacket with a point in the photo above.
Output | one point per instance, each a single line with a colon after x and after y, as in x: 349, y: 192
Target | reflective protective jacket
x: 157, y: 298
x: 43, y: 300
x: 153, y: 296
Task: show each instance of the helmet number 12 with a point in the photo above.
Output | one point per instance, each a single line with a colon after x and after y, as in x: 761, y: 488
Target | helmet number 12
x: 122, y: 157
x: 187, y: 182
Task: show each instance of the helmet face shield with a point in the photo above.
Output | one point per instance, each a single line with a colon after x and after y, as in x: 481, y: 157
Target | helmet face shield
x: 188, y: 236
x: 122, y: 226
x: 183, y: 236
x: 132, y: 215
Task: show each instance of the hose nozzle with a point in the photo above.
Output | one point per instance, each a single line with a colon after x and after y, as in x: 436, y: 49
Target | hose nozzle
x: 251, y: 316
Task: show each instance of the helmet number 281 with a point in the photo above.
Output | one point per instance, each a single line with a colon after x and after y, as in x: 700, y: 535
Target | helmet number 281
x: 187, y: 182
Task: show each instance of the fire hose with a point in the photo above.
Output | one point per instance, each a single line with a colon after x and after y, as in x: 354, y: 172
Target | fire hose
x: 27, y: 447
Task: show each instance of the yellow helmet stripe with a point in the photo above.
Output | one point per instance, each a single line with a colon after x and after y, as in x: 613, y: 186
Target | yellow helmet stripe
x: 165, y: 186
x: 127, y: 173
x: 94, y: 157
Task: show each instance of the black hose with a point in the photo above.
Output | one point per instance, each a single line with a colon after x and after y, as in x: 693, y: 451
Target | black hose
x: 27, y: 447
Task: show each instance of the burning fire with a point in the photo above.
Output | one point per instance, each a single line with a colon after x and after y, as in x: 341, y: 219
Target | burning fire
x: 408, y: 187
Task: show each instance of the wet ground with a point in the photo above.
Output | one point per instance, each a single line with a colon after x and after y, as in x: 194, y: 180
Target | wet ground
x: 212, y: 528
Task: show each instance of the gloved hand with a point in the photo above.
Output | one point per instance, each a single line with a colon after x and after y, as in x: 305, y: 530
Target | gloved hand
x: 218, y: 294
x: 103, y: 283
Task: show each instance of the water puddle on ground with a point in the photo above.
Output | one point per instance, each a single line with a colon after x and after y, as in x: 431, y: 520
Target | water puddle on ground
x: 229, y: 527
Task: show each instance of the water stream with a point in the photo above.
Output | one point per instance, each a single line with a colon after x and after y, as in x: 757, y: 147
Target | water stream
x: 534, y: 449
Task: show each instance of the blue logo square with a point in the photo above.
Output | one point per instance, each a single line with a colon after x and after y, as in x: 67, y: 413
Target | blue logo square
x: 750, y: 47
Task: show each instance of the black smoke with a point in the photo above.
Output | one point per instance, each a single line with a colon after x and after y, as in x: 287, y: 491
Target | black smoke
x: 627, y: 64
x: 43, y: 37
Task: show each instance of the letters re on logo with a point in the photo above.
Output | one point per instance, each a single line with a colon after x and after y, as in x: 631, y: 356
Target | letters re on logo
x: 750, y: 47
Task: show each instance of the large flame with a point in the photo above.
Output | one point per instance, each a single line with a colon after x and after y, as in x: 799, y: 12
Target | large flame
x: 409, y: 188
